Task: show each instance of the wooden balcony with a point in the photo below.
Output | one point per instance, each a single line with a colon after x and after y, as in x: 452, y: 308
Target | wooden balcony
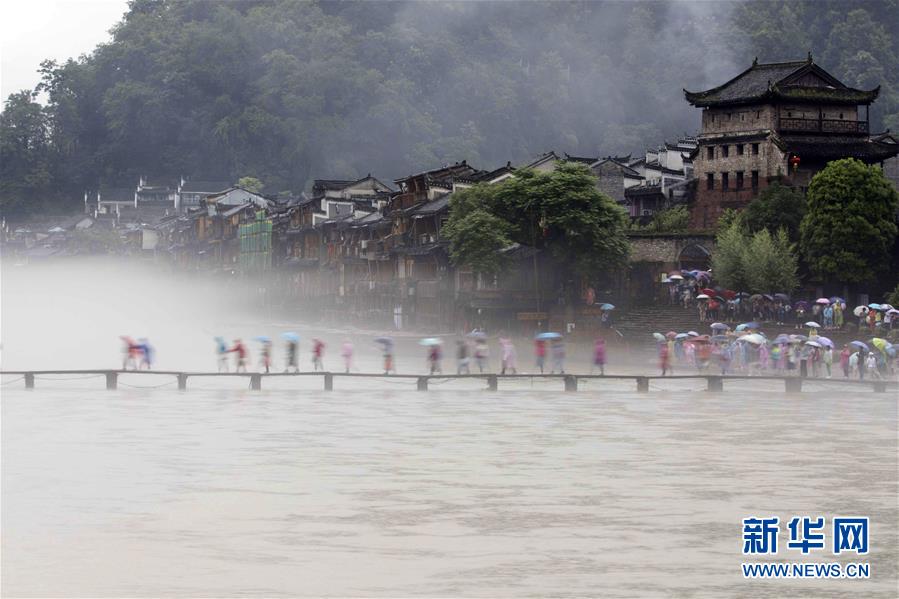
x: 837, y: 126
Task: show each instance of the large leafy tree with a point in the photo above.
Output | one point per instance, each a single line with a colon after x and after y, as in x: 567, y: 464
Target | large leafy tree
x: 25, y: 154
x: 477, y: 236
x: 729, y: 257
x: 848, y: 232
x: 560, y: 211
x: 777, y: 207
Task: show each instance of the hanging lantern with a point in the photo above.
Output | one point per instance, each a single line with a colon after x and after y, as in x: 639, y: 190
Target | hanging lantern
x: 794, y: 162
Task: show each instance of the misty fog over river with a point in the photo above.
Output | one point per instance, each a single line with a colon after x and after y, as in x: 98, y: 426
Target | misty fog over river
x: 376, y: 489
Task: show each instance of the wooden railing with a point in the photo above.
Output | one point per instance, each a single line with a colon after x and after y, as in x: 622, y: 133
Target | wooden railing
x: 823, y: 126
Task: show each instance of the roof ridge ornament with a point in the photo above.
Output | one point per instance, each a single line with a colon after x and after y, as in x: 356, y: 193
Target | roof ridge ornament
x: 810, y: 57
x: 755, y: 61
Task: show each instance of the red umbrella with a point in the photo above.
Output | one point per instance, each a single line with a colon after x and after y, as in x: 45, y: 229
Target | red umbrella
x: 709, y: 292
x: 713, y: 304
x: 727, y: 293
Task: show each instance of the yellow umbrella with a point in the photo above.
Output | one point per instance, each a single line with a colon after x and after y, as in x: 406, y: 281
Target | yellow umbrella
x: 879, y: 343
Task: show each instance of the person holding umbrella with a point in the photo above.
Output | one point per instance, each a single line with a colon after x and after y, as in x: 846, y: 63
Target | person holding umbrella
x: 540, y: 352
x: 838, y: 315
x: 240, y: 354
x: 844, y: 360
x: 221, y: 352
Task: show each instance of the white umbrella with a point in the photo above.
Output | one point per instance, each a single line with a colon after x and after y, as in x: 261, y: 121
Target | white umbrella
x: 814, y: 325
x: 702, y: 296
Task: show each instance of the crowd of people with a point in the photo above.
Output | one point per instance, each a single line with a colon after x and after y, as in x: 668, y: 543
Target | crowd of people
x: 746, y: 350
x: 694, y: 290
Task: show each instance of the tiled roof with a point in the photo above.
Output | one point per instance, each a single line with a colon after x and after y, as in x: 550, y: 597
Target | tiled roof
x: 773, y: 80
x: 205, y: 186
x: 434, y: 206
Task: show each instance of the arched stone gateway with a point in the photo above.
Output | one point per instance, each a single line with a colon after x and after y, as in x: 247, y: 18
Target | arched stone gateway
x: 694, y: 257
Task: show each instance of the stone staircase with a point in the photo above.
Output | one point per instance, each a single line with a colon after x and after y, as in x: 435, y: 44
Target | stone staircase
x: 638, y: 323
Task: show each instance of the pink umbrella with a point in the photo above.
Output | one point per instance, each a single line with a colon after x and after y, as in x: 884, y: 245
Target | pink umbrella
x: 823, y: 301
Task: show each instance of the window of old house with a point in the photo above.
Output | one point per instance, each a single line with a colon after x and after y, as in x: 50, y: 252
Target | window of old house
x: 725, y: 151
x: 728, y: 116
x: 724, y: 180
x: 758, y: 114
x: 841, y: 116
x: 742, y: 116
x: 710, y: 152
x: 710, y: 181
x: 755, y: 149
x: 755, y: 179
x: 739, y: 179
x: 789, y: 114
x: 739, y: 149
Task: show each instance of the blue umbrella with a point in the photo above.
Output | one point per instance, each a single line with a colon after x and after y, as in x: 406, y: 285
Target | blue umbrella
x: 719, y: 326
x: 384, y: 340
x: 607, y: 307
x: 477, y: 335
x: 782, y: 297
x: 741, y: 327
x: 548, y: 336
x: 431, y: 341
x: 874, y: 306
x: 861, y: 345
x: 782, y: 338
x: 681, y: 336
x: 263, y: 339
x: 719, y: 338
x: 291, y: 337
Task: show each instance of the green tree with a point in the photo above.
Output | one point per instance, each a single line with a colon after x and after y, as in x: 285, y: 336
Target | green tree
x: 25, y: 154
x: 476, y: 236
x: 893, y: 296
x: 671, y: 220
x: 848, y: 231
x: 777, y: 207
x: 560, y: 211
x: 564, y: 212
x: 770, y: 263
x: 728, y: 259
x: 251, y: 184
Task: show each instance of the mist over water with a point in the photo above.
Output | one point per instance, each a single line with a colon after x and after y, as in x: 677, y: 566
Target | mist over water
x: 379, y: 490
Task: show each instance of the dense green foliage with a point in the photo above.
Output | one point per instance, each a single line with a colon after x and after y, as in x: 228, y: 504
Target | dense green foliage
x: 849, y: 229
x: 777, y: 207
x: 477, y: 236
x: 289, y: 90
x: 560, y: 211
x: 893, y: 296
x: 759, y: 262
x: 671, y: 220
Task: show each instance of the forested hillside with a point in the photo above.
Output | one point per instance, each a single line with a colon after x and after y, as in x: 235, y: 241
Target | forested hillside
x: 285, y: 91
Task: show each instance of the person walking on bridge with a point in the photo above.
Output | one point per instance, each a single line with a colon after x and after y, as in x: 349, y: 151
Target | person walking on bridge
x: 508, y: 355
x: 346, y: 352
x: 221, y: 354
x: 599, y: 356
x: 240, y: 353
x: 318, y: 352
